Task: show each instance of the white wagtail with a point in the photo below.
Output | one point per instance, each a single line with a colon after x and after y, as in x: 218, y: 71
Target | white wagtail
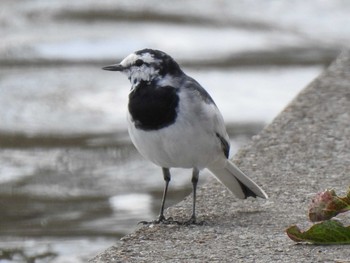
x: 174, y: 122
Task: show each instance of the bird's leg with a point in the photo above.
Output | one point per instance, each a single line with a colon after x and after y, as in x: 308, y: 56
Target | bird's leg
x: 167, y: 178
x: 195, y: 175
x: 161, y: 218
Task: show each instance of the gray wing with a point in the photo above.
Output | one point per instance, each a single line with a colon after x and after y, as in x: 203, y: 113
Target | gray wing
x: 218, y: 126
x: 192, y: 84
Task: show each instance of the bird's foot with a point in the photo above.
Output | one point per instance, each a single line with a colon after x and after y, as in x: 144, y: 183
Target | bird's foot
x: 161, y: 220
x: 171, y: 221
x: 193, y: 221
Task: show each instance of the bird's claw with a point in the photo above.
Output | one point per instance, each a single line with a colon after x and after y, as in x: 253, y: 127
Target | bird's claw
x: 161, y: 220
x: 193, y: 221
x: 171, y: 221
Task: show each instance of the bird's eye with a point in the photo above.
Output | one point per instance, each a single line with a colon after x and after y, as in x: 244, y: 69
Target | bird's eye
x: 139, y: 62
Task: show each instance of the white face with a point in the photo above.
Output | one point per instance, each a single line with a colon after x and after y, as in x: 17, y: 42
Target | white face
x: 147, y: 71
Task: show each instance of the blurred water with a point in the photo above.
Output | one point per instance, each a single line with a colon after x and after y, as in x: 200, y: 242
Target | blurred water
x: 71, y: 183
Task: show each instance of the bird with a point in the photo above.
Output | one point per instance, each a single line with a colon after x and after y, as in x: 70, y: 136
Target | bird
x: 174, y: 123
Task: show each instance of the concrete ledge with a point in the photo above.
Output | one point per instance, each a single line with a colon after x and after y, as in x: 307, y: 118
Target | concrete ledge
x: 304, y: 150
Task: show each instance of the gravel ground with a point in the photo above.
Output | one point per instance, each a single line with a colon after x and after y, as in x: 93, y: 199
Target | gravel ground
x: 303, y: 151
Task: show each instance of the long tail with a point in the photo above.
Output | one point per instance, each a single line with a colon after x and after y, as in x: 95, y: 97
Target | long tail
x: 237, y: 182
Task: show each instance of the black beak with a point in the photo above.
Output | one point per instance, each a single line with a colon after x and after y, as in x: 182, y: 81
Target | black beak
x: 115, y: 67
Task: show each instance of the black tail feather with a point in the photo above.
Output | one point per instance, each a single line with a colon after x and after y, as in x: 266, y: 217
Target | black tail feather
x: 247, y: 192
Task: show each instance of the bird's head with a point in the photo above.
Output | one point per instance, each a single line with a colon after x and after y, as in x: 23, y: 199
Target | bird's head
x: 146, y: 65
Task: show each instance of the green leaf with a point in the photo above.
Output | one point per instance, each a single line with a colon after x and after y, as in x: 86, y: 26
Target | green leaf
x: 328, y: 232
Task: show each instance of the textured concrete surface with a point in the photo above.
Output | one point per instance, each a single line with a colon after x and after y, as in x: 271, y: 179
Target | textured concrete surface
x: 304, y: 150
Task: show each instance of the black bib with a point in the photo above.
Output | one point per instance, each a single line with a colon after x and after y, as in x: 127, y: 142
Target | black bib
x: 153, y: 108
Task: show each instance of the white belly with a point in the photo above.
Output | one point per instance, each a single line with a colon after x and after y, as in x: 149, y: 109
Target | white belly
x: 178, y: 145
